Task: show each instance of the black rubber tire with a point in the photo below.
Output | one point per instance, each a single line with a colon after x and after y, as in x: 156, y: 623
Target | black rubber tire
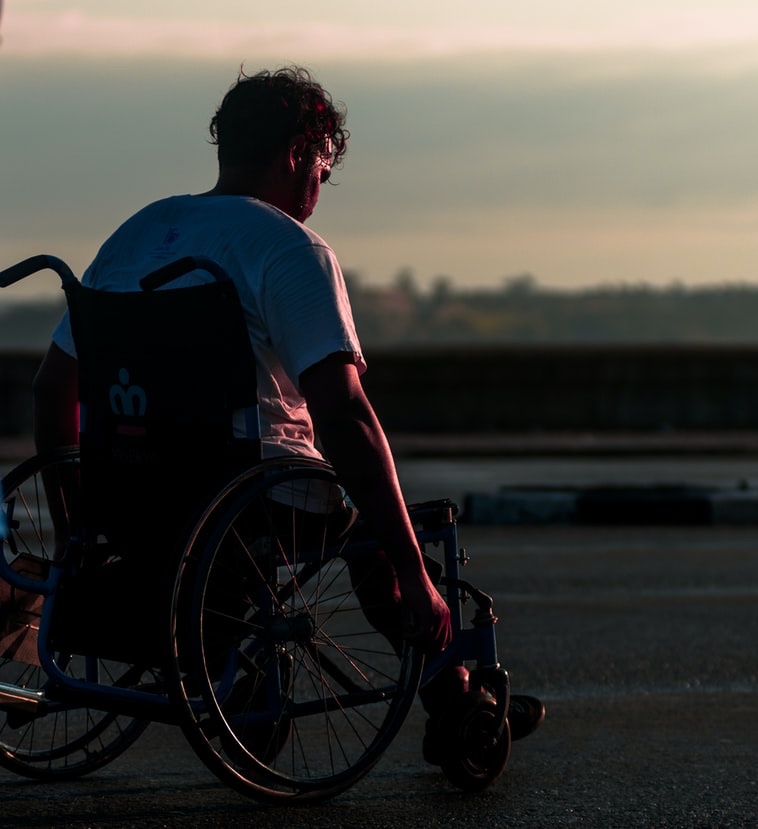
x: 478, y: 751
x: 265, y: 602
x: 65, y: 741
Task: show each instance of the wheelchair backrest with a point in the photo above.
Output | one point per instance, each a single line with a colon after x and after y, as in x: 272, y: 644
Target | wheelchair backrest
x: 164, y: 376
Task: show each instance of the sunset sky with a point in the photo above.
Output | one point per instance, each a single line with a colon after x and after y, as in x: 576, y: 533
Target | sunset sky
x: 581, y: 141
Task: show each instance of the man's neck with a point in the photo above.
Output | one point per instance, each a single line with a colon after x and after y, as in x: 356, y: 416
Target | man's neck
x: 237, y: 181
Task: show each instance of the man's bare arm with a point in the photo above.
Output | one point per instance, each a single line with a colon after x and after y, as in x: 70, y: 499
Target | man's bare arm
x: 55, y: 391
x: 357, y: 447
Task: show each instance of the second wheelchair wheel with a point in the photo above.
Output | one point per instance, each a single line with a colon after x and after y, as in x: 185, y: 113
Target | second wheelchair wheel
x: 60, y: 740
x: 66, y: 740
x: 291, y: 693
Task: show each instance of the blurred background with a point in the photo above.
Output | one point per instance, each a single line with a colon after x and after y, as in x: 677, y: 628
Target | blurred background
x: 546, y: 216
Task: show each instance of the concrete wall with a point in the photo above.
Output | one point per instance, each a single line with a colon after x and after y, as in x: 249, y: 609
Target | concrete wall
x: 569, y: 387
x: 602, y: 388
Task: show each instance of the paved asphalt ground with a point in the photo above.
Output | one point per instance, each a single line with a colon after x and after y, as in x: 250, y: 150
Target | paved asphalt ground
x: 642, y: 641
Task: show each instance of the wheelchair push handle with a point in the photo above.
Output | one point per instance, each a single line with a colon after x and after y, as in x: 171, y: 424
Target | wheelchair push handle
x: 167, y: 273
x: 33, y: 264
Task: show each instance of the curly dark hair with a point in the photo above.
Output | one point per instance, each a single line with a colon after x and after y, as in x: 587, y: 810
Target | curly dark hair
x: 262, y: 113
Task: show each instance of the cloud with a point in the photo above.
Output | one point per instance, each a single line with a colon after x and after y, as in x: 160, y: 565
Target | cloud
x: 74, y: 31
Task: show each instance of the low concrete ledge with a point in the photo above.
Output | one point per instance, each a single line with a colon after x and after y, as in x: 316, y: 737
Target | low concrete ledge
x: 734, y: 507
x: 683, y: 506
x: 519, y: 507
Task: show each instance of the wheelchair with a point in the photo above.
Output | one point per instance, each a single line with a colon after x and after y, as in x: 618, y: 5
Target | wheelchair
x: 162, y: 571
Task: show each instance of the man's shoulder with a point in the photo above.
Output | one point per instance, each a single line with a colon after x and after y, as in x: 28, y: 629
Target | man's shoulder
x: 282, y: 231
x: 246, y: 223
x: 152, y: 211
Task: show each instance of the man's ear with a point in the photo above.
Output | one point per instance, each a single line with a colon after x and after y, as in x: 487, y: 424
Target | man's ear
x: 297, y: 152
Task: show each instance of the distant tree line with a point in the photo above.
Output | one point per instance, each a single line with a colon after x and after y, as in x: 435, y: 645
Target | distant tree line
x: 521, y: 311
x: 518, y: 311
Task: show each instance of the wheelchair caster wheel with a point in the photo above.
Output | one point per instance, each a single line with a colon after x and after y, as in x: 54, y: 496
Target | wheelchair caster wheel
x: 476, y: 754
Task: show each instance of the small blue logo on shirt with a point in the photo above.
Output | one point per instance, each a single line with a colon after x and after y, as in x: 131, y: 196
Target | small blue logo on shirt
x: 172, y: 234
x: 165, y: 247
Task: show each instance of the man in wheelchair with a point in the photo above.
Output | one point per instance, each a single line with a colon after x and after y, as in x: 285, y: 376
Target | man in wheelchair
x: 279, y: 136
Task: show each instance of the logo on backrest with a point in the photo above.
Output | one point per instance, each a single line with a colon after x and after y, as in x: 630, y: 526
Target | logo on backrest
x: 126, y: 400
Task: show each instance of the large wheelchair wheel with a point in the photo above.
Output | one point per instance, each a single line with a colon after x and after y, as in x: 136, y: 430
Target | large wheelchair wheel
x: 290, y: 693
x: 60, y: 740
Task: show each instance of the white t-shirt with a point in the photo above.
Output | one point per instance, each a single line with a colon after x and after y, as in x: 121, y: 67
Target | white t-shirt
x: 289, y: 281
